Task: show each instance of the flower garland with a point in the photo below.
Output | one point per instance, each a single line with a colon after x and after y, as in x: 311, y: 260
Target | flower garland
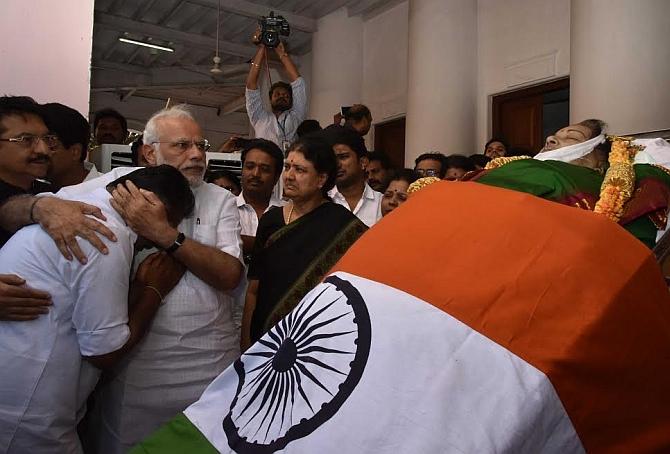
x: 501, y: 161
x: 619, y: 182
x: 421, y: 183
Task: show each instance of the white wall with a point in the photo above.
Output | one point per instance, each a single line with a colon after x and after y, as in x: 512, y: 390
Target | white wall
x: 336, y: 70
x: 137, y: 111
x: 46, y: 50
x: 520, y: 43
x: 385, y: 40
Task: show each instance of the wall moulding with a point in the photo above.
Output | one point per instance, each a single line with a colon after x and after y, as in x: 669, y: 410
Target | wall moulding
x: 532, y: 70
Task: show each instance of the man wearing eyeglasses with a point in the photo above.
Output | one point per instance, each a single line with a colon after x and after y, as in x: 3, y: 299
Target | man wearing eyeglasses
x: 25, y: 150
x: 431, y: 165
x: 193, y: 337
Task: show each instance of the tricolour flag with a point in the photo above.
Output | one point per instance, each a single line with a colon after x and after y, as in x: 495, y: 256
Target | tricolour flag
x: 472, y: 319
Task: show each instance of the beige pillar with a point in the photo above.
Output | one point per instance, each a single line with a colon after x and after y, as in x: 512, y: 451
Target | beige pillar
x: 620, y: 63
x: 442, y: 77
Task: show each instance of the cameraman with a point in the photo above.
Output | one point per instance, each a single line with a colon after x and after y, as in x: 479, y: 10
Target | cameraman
x: 288, y: 101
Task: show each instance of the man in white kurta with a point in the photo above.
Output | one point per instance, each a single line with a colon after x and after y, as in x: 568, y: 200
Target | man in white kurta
x: 193, y: 337
x: 44, y: 381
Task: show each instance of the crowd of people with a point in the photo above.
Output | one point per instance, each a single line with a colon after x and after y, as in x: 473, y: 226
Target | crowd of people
x: 123, y: 295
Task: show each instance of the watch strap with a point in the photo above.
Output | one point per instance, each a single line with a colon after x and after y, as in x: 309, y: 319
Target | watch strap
x: 177, y: 243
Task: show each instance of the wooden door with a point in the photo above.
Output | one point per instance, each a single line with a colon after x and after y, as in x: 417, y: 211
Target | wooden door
x: 518, y: 116
x: 390, y: 138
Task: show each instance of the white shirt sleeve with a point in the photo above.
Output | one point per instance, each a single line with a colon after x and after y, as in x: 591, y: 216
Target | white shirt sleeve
x: 299, y: 108
x: 228, y: 229
x: 255, y: 108
x: 100, y: 291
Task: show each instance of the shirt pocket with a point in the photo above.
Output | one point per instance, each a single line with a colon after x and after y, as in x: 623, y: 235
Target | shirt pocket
x: 205, y: 234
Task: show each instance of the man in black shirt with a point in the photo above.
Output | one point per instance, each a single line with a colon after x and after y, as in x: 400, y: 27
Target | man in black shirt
x: 25, y: 148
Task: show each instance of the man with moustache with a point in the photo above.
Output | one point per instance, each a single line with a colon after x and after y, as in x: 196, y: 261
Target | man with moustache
x: 25, y: 149
x: 262, y: 163
x: 288, y: 101
x: 193, y: 337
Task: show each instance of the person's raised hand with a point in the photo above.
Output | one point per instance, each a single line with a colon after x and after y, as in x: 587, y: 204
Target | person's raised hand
x: 65, y: 220
x: 281, y: 50
x: 144, y: 213
x: 229, y: 145
x: 19, y: 303
x: 161, y: 271
x: 256, y: 37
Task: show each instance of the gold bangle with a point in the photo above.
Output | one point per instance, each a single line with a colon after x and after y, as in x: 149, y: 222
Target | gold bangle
x: 255, y: 64
x: 157, y: 292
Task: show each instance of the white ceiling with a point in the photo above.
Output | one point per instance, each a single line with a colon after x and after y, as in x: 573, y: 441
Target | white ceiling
x: 189, y: 26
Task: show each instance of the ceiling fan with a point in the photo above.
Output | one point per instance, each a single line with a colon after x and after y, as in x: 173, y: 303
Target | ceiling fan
x: 216, y: 68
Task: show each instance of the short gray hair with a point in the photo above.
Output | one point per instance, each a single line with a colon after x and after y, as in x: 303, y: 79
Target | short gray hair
x: 151, y: 128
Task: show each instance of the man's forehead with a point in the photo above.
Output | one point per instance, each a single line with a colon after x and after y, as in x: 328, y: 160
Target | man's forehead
x: 24, y: 122
x: 258, y: 155
x: 108, y: 121
x: 429, y: 162
x: 342, y: 149
x: 175, y: 126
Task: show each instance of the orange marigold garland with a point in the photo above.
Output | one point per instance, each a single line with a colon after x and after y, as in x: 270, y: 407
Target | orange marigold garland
x: 619, y: 182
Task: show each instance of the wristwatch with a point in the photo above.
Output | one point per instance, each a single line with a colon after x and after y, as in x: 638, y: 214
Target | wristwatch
x: 178, y: 242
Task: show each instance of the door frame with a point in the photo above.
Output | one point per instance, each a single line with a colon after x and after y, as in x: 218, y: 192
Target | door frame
x: 538, y: 89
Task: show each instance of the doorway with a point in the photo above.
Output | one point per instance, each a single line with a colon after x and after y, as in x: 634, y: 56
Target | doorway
x: 524, y: 118
x: 390, y: 138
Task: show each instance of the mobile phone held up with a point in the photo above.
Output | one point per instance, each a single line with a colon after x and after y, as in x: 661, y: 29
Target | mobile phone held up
x: 344, y: 110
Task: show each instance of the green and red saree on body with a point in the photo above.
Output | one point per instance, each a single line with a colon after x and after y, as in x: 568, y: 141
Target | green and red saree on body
x: 577, y: 186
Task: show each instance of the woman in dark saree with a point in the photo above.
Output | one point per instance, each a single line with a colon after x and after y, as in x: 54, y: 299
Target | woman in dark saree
x: 296, y: 245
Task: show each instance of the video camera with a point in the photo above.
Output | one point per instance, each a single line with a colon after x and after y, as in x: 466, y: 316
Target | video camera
x: 271, y: 27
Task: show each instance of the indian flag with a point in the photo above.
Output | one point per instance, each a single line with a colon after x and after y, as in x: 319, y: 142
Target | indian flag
x: 472, y: 319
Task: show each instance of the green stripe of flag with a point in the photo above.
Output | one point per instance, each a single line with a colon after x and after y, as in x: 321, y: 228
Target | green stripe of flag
x: 176, y: 437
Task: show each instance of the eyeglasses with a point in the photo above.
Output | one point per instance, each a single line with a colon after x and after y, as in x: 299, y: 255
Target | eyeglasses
x: 185, y: 145
x: 29, y: 140
x: 427, y: 172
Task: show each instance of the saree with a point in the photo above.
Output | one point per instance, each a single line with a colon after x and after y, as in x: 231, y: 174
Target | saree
x: 290, y: 260
x: 577, y: 186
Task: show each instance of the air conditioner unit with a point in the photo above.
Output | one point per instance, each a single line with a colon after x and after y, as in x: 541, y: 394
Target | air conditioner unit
x: 225, y: 161
x: 109, y: 156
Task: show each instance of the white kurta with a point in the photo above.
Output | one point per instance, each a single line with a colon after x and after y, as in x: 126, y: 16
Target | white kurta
x: 44, y: 382
x: 192, y: 338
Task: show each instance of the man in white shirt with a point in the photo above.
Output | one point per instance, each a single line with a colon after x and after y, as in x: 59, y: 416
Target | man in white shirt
x: 262, y: 164
x: 193, y: 337
x: 44, y: 381
x: 288, y: 102
x: 351, y: 190
x: 68, y: 165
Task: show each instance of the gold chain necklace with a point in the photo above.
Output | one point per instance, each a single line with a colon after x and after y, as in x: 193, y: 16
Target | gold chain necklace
x: 290, y: 213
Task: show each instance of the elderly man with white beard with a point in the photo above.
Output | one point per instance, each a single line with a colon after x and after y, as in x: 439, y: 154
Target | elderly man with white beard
x: 193, y: 337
